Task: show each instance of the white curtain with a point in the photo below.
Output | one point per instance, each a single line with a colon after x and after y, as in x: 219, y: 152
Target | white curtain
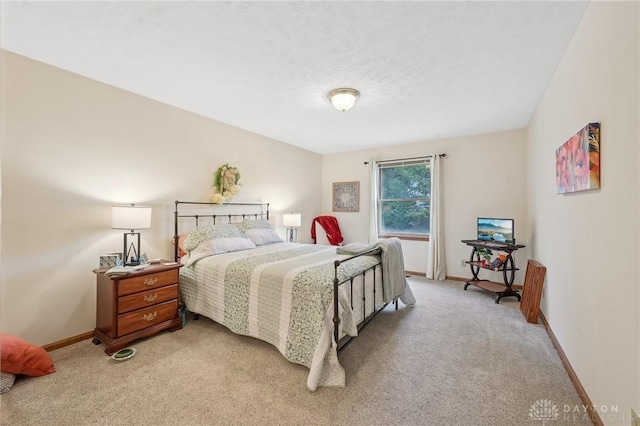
x: 373, y: 203
x: 436, y: 269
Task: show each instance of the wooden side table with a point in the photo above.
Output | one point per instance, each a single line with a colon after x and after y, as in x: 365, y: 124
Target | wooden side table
x: 508, y: 269
x: 137, y: 305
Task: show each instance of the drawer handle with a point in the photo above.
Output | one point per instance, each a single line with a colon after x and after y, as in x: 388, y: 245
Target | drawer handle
x: 150, y: 297
x: 150, y: 281
x: 150, y: 317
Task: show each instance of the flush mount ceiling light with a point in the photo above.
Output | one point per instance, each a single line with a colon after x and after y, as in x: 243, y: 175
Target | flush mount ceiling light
x: 343, y: 99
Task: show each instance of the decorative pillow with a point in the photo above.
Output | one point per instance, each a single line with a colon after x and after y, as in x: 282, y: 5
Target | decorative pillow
x: 6, y: 381
x: 219, y: 246
x: 263, y: 236
x: 205, y: 233
x: 181, y: 238
x: 20, y: 357
x: 253, y: 224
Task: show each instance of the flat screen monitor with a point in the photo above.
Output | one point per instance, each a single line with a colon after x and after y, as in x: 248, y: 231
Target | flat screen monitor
x: 496, y: 229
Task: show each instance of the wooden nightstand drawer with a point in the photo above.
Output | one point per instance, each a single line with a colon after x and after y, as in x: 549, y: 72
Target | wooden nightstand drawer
x: 143, y: 318
x: 137, y: 305
x: 146, y: 282
x: 147, y: 298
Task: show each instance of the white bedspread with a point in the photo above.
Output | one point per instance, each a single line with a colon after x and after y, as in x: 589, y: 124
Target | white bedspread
x: 394, y: 280
x: 283, y: 294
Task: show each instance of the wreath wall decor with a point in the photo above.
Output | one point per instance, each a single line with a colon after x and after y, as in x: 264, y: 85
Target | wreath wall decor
x: 226, y: 180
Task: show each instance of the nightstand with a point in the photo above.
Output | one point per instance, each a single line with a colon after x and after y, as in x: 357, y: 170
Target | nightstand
x: 137, y: 305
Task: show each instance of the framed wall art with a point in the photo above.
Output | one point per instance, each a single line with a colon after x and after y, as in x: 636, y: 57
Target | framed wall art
x: 346, y: 196
x: 578, y: 161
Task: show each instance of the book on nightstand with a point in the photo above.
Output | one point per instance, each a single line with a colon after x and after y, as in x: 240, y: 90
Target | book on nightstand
x: 123, y: 270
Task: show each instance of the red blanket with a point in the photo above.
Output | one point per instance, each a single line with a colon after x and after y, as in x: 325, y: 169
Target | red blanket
x: 330, y: 226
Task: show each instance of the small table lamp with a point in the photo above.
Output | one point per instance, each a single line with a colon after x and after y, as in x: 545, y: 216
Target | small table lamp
x: 131, y: 217
x: 292, y: 221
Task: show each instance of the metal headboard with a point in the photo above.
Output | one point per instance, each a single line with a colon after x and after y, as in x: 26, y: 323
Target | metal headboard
x: 254, y: 215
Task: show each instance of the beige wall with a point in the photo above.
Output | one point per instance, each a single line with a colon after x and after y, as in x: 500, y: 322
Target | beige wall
x: 589, y: 241
x: 483, y: 175
x: 72, y: 147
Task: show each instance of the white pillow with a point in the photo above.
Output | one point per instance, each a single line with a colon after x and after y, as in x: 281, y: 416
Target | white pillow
x: 263, y: 236
x: 219, y: 246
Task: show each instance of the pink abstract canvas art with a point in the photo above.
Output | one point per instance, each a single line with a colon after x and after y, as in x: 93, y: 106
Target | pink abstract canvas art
x: 578, y: 161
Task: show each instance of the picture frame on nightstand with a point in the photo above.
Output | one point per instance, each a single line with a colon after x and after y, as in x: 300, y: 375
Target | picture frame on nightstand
x: 110, y: 260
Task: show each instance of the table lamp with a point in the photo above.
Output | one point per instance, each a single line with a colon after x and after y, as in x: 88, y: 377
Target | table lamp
x: 292, y: 221
x: 131, y: 217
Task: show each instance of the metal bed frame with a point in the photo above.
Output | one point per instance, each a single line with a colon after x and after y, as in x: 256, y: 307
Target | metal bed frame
x: 342, y: 343
x: 242, y: 216
x: 264, y: 214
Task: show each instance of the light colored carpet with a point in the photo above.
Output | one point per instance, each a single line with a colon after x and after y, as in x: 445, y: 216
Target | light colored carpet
x: 456, y: 358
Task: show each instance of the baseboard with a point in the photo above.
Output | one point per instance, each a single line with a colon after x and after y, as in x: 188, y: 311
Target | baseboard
x: 593, y: 414
x: 415, y: 274
x: 449, y: 277
x: 66, y: 342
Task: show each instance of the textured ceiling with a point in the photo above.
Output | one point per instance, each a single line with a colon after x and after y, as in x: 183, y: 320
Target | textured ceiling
x: 425, y: 70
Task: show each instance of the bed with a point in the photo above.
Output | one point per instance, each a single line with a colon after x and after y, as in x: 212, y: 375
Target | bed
x: 307, y: 300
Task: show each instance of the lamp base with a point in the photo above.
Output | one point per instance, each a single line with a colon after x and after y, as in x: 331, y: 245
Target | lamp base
x: 292, y: 235
x: 131, y: 255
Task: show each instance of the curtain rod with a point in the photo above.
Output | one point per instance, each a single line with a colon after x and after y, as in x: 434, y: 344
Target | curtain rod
x: 410, y: 158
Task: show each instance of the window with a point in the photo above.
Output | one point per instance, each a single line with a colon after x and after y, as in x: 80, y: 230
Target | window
x: 404, y: 198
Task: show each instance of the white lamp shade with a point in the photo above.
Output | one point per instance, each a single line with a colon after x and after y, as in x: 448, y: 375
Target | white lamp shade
x: 130, y: 217
x: 292, y: 220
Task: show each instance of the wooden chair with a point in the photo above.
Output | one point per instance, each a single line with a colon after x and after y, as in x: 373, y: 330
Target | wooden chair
x: 532, y: 291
